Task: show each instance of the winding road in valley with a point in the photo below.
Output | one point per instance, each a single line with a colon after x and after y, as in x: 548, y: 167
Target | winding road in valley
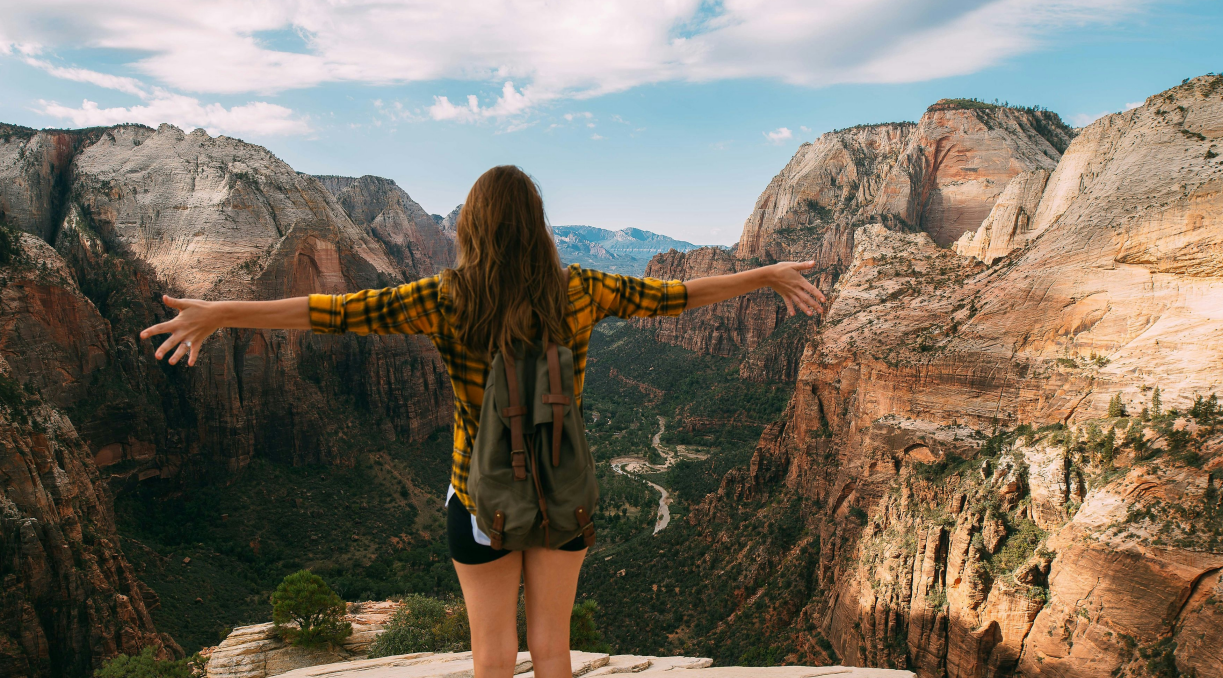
x: 631, y: 466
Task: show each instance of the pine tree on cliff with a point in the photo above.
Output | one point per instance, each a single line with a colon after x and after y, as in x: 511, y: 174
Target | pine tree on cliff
x: 1116, y: 408
x: 1157, y: 403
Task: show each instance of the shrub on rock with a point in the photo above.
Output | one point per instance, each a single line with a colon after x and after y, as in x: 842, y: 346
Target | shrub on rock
x: 425, y: 624
x: 307, y: 613
x: 584, y: 634
x: 145, y: 665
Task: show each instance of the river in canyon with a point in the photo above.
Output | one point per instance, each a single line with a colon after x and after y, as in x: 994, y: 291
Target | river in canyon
x: 632, y: 465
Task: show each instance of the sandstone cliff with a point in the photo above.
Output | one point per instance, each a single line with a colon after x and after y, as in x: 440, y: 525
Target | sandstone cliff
x: 415, y: 241
x: 134, y: 213
x: 153, y: 211
x: 70, y: 597
x: 1076, y: 545
x: 941, y: 175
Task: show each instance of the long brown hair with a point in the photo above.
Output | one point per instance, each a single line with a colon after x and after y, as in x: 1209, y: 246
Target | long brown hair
x: 508, y: 277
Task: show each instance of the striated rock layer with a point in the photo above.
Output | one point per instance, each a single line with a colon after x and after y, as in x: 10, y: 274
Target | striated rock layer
x: 1059, y: 551
x: 942, y: 175
x: 415, y: 241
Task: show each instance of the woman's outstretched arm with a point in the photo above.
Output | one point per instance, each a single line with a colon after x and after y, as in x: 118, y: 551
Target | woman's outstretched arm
x: 198, y: 319
x: 785, y: 278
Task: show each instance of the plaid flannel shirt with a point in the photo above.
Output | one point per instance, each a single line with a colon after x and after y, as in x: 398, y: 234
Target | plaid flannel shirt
x: 423, y: 307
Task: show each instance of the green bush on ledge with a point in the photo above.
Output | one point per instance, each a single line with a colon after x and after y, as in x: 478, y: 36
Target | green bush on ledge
x: 307, y: 613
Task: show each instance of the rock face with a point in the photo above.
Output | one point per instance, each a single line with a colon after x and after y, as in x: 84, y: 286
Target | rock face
x: 256, y: 651
x: 450, y: 222
x: 70, y: 597
x: 942, y: 175
x: 952, y: 553
x: 1009, y: 224
x: 119, y: 216
x: 414, y: 240
x: 152, y: 211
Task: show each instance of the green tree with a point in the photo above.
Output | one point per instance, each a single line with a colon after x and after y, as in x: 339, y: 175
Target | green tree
x: 1157, y: 403
x: 584, y: 634
x: 1108, y: 446
x: 424, y: 624
x: 307, y: 613
x: 145, y: 665
x: 1116, y: 408
x: 10, y: 244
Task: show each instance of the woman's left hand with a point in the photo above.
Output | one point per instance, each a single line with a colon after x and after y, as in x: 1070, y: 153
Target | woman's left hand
x: 786, y: 278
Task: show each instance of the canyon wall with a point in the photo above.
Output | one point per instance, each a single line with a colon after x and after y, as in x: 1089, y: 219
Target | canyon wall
x: 115, y: 217
x: 69, y: 596
x: 153, y: 211
x: 941, y: 176
x: 416, y: 242
x: 1055, y: 549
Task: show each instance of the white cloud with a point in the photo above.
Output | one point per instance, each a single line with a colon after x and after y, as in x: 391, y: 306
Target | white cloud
x: 596, y: 137
x: 805, y: 129
x: 1133, y: 104
x: 779, y: 135
x: 512, y: 102
x: 161, y: 105
x: 257, y: 117
x: 571, y: 48
x: 115, y: 82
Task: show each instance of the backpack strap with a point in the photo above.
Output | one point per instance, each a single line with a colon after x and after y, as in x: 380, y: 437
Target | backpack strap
x: 557, y: 399
x: 515, y: 412
x: 587, y: 526
x: 497, y: 533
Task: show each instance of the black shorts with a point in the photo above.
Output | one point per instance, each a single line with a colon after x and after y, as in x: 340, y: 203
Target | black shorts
x: 463, y: 546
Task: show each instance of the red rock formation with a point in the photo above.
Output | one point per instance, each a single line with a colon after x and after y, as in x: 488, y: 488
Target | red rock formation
x: 941, y: 176
x: 149, y: 212
x: 1026, y: 559
x: 162, y: 211
x: 70, y: 597
x: 413, y: 239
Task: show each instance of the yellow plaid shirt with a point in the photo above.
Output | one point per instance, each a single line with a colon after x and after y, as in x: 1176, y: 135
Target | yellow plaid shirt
x: 423, y: 307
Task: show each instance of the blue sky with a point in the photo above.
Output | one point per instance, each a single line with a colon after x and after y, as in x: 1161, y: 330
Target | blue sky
x: 650, y: 114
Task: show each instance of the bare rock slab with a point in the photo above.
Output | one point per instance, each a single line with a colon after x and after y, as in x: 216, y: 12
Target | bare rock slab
x: 459, y: 665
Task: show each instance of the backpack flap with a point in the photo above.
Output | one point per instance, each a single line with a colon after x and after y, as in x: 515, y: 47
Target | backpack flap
x: 500, y: 484
x: 566, y: 466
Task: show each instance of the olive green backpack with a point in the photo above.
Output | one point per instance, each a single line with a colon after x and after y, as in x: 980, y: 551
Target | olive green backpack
x: 532, y: 476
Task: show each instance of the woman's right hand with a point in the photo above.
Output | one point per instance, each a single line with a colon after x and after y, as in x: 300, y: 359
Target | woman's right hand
x: 196, y: 321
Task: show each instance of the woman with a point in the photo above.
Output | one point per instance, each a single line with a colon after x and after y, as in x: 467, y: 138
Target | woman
x: 508, y: 280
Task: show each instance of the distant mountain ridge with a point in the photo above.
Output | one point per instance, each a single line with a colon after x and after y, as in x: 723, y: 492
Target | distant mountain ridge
x: 625, y: 251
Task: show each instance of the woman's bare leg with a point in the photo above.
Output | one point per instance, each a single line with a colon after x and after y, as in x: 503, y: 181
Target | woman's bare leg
x: 491, y: 593
x: 551, y: 578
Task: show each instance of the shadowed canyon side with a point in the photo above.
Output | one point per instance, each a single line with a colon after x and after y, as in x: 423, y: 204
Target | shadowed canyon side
x: 69, y: 594
x: 119, y: 216
x: 941, y: 175
x: 976, y: 504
